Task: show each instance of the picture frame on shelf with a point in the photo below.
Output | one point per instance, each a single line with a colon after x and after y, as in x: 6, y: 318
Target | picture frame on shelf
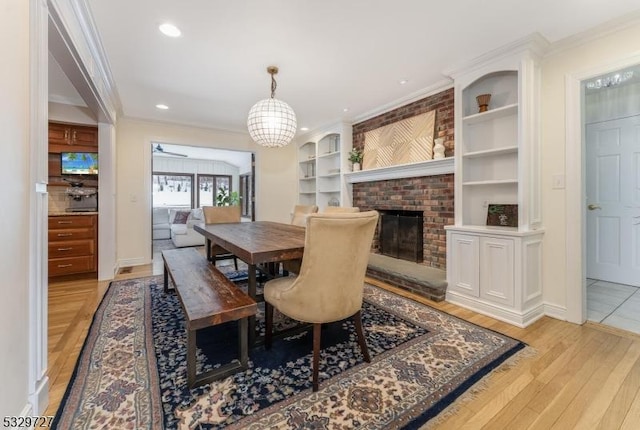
x: 502, y: 215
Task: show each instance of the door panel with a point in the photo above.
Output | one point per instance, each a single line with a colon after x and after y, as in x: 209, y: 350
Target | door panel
x: 613, y: 200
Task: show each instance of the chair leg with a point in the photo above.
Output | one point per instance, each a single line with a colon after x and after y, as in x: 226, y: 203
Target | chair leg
x: 316, y: 354
x: 268, y: 327
x: 357, y: 318
x: 235, y: 262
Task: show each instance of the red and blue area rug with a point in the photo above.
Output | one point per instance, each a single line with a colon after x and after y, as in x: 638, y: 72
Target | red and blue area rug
x: 131, y: 373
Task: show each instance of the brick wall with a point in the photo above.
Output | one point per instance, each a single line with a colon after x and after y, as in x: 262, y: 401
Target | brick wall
x: 431, y: 194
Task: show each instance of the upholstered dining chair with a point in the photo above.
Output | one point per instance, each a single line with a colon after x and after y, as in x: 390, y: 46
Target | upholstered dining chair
x: 219, y: 215
x: 330, y: 285
x: 340, y: 210
x: 300, y: 212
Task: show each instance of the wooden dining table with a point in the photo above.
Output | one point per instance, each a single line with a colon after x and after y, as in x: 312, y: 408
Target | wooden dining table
x: 256, y: 243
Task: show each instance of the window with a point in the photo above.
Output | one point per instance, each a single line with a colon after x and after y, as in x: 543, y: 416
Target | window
x: 245, y: 195
x: 210, y: 187
x: 172, y: 190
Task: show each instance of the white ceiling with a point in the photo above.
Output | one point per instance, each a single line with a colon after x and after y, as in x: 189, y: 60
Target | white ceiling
x: 332, y: 54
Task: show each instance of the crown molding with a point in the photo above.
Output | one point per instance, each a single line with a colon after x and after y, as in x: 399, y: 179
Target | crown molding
x: 438, y: 87
x: 534, y: 43
x: 77, y: 41
x: 605, y: 29
x: 73, y: 101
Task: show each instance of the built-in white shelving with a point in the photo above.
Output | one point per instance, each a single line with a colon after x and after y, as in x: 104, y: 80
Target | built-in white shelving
x: 325, y: 151
x: 496, y: 270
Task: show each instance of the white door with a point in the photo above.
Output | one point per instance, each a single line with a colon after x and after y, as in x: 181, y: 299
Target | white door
x: 613, y: 200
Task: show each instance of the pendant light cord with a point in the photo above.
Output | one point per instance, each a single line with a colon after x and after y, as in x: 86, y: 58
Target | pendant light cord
x: 273, y: 86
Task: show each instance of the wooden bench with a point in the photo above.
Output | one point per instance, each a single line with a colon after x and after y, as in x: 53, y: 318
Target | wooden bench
x: 208, y: 298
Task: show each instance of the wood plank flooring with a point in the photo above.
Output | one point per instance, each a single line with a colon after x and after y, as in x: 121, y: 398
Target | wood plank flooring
x: 584, y: 377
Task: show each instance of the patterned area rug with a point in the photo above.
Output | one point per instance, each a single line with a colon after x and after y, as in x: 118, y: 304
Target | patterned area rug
x: 131, y: 373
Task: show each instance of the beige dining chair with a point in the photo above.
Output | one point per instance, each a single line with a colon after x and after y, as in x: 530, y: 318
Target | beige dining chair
x: 340, y: 210
x: 331, y: 281
x: 300, y: 212
x: 219, y: 215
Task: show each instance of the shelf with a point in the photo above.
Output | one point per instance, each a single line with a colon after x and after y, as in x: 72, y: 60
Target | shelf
x: 329, y: 154
x: 311, y: 160
x: 329, y: 175
x: 491, y: 182
x: 329, y: 191
x: 491, y: 114
x: 309, y: 178
x: 307, y: 192
x: 491, y: 152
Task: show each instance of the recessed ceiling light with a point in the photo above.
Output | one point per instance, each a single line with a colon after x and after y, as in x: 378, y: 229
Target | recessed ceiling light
x: 345, y: 110
x: 170, y: 30
x: 304, y: 128
x: 163, y: 107
x: 403, y: 81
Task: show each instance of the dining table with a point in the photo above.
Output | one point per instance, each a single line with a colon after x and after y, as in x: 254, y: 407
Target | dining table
x: 257, y: 243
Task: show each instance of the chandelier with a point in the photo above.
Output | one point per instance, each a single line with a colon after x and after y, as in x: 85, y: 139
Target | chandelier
x: 272, y: 122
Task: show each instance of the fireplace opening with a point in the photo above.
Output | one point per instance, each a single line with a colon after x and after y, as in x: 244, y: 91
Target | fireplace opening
x: 401, y: 234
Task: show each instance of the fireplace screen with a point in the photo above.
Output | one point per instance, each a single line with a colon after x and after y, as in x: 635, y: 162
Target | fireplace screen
x: 401, y: 235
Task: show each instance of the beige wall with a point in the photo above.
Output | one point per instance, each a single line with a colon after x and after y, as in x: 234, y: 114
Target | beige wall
x: 275, y: 178
x: 14, y: 218
x: 595, y: 54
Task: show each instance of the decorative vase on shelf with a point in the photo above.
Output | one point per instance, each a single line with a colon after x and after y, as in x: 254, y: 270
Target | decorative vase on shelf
x: 483, y: 102
x: 356, y: 167
x: 438, y: 148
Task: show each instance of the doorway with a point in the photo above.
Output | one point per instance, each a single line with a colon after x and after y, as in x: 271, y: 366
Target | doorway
x: 186, y: 178
x: 612, y: 185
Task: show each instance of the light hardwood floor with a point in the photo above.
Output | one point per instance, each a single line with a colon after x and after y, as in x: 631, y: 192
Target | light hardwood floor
x: 585, y: 377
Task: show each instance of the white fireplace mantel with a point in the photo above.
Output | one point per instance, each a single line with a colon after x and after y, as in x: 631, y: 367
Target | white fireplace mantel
x: 413, y: 170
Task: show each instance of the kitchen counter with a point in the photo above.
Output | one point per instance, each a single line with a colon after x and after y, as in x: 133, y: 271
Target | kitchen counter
x: 62, y: 213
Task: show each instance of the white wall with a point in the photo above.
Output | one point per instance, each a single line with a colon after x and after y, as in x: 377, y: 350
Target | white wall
x: 14, y: 218
x: 72, y: 114
x: 609, y: 48
x: 275, y: 178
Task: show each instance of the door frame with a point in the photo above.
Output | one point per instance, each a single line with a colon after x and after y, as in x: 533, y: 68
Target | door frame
x: 575, y: 191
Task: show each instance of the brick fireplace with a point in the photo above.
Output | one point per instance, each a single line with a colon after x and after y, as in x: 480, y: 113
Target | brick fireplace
x: 430, y: 195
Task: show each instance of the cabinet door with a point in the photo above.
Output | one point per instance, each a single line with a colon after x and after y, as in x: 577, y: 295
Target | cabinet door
x: 64, y: 137
x: 464, y: 264
x: 496, y: 270
x: 59, y: 134
x: 84, y: 136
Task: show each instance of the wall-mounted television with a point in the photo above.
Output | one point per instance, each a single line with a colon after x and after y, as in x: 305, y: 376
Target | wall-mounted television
x: 79, y: 163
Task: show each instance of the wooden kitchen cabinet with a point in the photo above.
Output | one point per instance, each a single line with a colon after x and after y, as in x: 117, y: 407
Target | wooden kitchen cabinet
x: 72, y: 138
x: 73, y: 243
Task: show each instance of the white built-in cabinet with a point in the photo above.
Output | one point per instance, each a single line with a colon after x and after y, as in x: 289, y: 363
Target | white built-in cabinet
x: 322, y: 161
x: 490, y: 269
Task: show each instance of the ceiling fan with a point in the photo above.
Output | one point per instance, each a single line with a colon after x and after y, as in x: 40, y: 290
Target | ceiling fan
x: 160, y: 150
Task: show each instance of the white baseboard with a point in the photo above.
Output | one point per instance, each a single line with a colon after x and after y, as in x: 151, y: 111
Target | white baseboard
x: 40, y: 397
x: 519, y: 319
x: 555, y: 311
x: 131, y: 262
x: 27, y: 411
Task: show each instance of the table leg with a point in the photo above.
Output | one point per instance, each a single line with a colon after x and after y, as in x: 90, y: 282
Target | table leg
x: 243, y: 348
x: 252, y: 293
x: 191, y: 357
x: 208, y: 245
x: 166, y: 279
